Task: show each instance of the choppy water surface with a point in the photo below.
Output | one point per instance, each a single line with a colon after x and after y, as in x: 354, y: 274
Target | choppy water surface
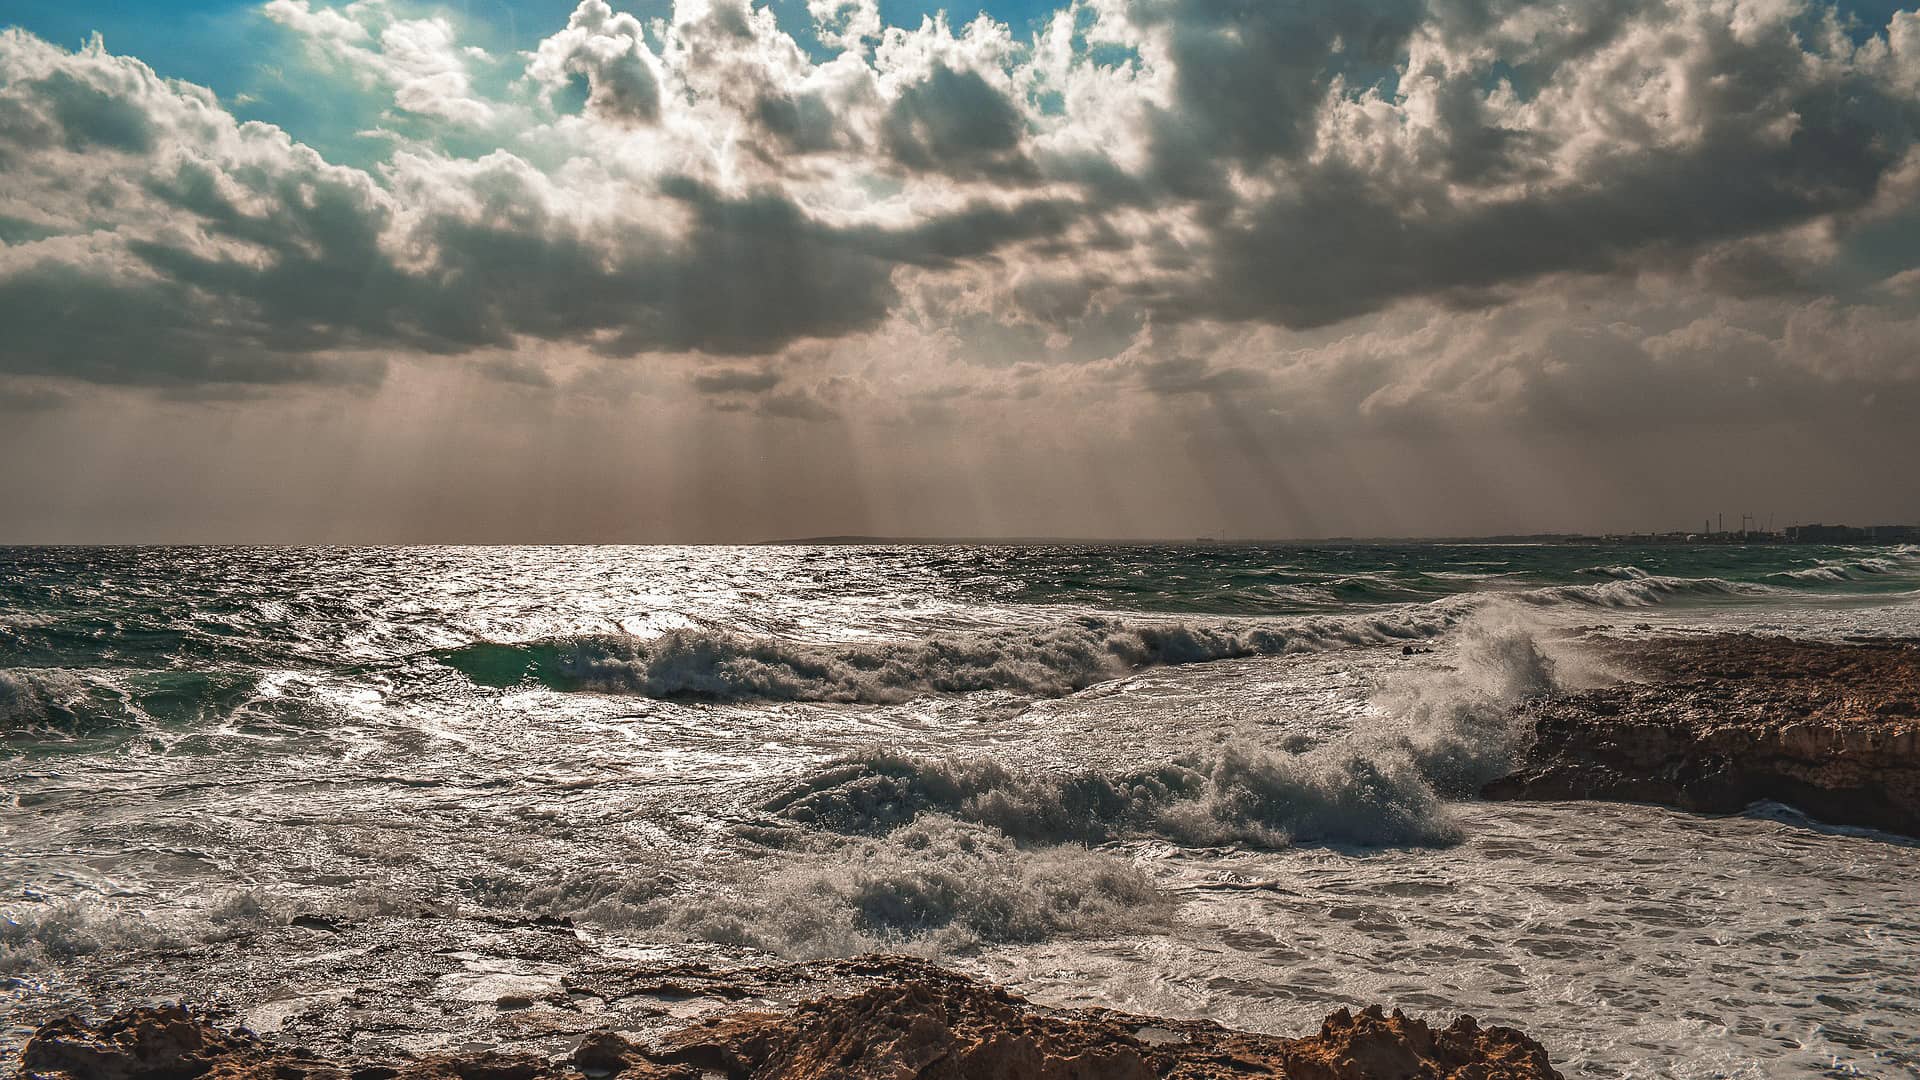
x: 1204, y: 781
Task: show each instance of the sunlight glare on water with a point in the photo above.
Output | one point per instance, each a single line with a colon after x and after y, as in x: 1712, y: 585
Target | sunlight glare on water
x: 1196, y: 781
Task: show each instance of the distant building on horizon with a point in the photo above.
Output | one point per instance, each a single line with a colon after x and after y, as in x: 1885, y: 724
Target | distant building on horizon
x: 1849, y: 534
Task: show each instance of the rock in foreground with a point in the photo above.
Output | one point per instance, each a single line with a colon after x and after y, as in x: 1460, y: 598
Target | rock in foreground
x: 930, y: 1024
x: 1725, y: 721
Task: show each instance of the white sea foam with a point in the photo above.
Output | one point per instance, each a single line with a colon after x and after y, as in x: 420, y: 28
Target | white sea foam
x: 57, y: 933
x: 1618, y: 573
x: 1435, y: 735
x: 1867, y: 567
x: 1042, y: 661
x: 935, y: 886
x: 60, y: 933
x: 1647, y: 591
x: 35, y: 698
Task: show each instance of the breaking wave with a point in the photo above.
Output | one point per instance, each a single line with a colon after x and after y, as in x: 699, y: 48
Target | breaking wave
x: 1047, y: 662
x: 1866, y: 568
x: 716, y: 664
x: 1434, y: 737
x: 52, y: 935
x: 61, y: 702
x: 938, y: 854
x: 1235, y: 794
x: 37, y: 699
x: 1633, y: 588
x: 937, y: 885
x: 1617, y: 573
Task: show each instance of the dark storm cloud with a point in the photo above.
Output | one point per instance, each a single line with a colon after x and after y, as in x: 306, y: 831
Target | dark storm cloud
x: 1293, y: 164
x: 1251, y: 74
x: 29, y: 398
x: 797, y: 405
x: 973, y: 231
x: 1343, y: 236
x: 89, y: 323
x: 803, y: 123
x: 1339, y: 248
x: 957, y: 123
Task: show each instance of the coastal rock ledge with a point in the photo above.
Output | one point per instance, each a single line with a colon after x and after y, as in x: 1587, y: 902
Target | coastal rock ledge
x: 932, y: 1025
x: 1723, y: 721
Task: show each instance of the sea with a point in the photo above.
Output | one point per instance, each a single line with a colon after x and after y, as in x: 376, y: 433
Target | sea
x: 406, y: 798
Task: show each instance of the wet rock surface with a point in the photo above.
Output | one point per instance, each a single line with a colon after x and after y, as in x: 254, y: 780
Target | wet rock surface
x: 1719, y: 722
x: 912, y: 1020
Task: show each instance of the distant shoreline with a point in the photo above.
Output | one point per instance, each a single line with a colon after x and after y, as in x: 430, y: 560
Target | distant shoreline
x: 1895, y: 536
x: 1898, y: 535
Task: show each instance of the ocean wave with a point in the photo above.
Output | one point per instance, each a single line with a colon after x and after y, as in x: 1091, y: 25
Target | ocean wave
x: 65, y: 701
x: 936, y: 886
x: 1233, y: 794
x: 936, y: 855
x: 33, y: 699
x: 1617, y: 573
x: 1046, y: 662
x: 1435, y: 736
x: 1648, y: 591
x: 1895, y: 561
x: 55, y: 934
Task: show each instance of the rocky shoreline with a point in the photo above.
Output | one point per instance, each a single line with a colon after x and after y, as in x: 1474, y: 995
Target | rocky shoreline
x: 914, y: 1021
x: 1718, y: 722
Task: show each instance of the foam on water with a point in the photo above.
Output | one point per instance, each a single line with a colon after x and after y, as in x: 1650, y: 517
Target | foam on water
x: 1648, y: 590
x: 32, y: 699
x: 1430, y: 737
x: 1045, y: 661
x: 1201, y: 781
x: 935, y: 887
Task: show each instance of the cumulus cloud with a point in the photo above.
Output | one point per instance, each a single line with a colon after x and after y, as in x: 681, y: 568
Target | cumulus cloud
x: 845, y: 24
x: 418, y: 60
x: 1222, y: 171
x: 609, y: 50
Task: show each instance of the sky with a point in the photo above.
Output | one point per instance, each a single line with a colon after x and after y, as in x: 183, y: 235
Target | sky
x: 718, y: 271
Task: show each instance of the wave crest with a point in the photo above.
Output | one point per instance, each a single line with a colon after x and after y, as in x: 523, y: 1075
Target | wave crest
x: 1648, y: 590
x: 1435, y: 735
x: 1235, y: 794
x: 63, y: 702
x: 936, y: 886
x: 32, y: 699
x: 1894, y: 561
x: 1044, y: 662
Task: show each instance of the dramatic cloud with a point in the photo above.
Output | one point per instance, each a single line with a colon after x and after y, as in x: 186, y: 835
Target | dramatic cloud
x: 610, y: 52
x: 1240, y: 221
x: 418, y: 60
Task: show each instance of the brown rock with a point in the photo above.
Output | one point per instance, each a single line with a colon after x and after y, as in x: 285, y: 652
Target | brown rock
x: 1724, y: 721
x: 923, y: 1024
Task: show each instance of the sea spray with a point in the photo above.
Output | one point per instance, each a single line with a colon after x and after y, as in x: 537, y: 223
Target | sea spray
x: 1457, y: 725
x: 937, y: 854
x: 38, y: 699
x: 1433, y: 735
x: 1046, y: 661
x: 717, y: 664
x: 56, y: 703
x: 1637, y: 590
x: 37, y: 936
x: 937, y: 885
x: 1223, y: 795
